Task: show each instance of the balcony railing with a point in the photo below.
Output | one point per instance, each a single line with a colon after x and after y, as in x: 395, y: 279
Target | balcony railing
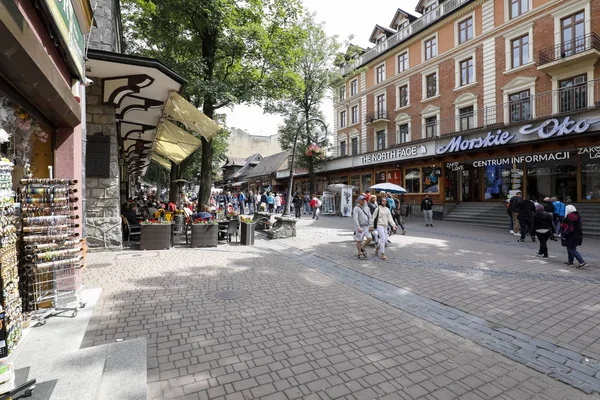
x: 543, y: 105
x: 416, y: 26
x: 378, y: 116
x: 569, y: 48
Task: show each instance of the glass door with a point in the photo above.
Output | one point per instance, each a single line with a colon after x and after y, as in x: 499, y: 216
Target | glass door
x: 470, y: 186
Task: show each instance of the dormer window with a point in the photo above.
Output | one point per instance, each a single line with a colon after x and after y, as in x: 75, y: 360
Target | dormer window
x: 381, y: 39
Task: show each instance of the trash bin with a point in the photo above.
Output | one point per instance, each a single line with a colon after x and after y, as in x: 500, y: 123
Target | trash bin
x: 247, y: 234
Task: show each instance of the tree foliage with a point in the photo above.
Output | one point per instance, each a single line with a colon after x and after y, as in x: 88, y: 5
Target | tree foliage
x: 313, y: 75
x: 230, y: 51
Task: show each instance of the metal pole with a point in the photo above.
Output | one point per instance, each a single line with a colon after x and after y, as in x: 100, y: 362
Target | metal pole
x: 286, y: 210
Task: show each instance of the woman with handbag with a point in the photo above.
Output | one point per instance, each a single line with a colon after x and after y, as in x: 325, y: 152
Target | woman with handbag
x: 572, y: 235
x: 380, y: 221
x: 542, y: 225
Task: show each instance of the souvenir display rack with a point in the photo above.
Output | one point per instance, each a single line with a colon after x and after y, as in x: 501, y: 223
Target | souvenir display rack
x: 52, y: 252
x: 10, y: 302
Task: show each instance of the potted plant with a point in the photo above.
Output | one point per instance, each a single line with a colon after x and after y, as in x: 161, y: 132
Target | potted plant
x: 247, y: 228
x: 155, y: 235
x: 205, y: 233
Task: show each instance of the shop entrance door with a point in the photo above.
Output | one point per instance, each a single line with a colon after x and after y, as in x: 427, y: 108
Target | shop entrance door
x: 470, y: 188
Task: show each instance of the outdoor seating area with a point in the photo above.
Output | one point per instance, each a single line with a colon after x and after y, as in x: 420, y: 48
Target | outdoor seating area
x: 183, y: 232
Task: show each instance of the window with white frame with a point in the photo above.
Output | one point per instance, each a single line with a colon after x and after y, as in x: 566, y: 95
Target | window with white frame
x: 517, y: 8
x: 342, y: 119
x: 354, y: 118
x: 354, y: 87
x: 343, y: 148
x: 466, y: 117
x: 343, y: 93
x: 465, y: 30
x: 403, y: 133
x: 519, y: 47
x: 431, y: 86
x: 380, y: 73
x: 355, y: 148
x: 519, y: 99
x: 520, y: 106
x: 431, y: 127
x: 467, y: 71
x: 403, y: 96
x: 380, y: 140
x: 402, y: 61
x: 430, y: 48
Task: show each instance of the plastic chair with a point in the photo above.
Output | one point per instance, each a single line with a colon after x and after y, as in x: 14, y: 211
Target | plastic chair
x: 233, y: 228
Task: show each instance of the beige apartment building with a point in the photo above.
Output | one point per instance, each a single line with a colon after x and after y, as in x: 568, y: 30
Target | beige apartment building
x: 473, y: 99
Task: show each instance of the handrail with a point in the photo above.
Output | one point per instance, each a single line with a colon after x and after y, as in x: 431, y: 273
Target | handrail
x: 578, y: 45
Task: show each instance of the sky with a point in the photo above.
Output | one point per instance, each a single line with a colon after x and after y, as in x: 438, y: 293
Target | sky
x: 342, y: 18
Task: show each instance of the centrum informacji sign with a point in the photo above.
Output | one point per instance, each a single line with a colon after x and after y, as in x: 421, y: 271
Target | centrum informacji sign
x: 552, y: 127
x: 65, y: 20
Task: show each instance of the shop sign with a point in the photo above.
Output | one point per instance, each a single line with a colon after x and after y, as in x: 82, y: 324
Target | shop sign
x: 562, y: 155
x: 65, y: 20
x: 394, y: 154
x: 592, y: 152
x: 547, y: 129
x: 455, y: 166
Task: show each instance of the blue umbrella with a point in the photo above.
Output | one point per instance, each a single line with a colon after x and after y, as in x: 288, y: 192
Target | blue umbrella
x: 388, y: 187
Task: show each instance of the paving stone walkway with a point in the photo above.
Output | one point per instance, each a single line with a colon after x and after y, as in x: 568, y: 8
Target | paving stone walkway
x: 310, y: 321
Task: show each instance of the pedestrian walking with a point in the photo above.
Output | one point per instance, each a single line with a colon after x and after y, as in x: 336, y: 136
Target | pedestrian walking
x: 242, y: 202
x: 514, y: 203
x: 543, y: 227
x: 306, y: 201
x: 526, y: 211
x: 397, y: 214
x: 271, y: 202
x: 278, y: 203
x: 372, y: 203
x: 427, y: 208
x: 315, y: 205
x: 380, y: 222
x: 361, y: 215
x: 572, y: 235
x: 558, y: 214
x: 297, y: 203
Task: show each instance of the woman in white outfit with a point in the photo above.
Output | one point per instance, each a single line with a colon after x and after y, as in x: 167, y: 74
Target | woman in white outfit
x: 382, y: 217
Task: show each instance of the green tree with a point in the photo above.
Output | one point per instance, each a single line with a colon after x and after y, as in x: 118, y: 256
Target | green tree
x: 230, y: 51
x: 313, y: 74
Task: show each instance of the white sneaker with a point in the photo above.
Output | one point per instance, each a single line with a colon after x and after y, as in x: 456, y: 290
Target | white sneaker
x: 511, y: 231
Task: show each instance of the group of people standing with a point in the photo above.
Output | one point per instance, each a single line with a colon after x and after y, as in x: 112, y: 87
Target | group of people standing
x: 549, y: 220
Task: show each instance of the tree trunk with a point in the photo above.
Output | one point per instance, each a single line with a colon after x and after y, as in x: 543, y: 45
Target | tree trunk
x: 205, y: 173
x: 311, y: 164
x: 173, y: 187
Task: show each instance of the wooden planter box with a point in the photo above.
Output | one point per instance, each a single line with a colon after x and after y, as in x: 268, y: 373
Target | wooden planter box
x: 247, y: 234
x: 155, y: 237
x: 205, y: 235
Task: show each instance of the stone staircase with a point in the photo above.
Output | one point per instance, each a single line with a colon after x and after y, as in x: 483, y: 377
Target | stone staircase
x: 494, y: 215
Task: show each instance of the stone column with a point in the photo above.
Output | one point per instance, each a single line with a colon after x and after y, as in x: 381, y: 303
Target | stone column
x: 67, y: 159
x: 103, y: 222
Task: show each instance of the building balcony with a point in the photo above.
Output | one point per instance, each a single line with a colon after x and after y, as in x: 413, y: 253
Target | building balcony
x: 545, y: 105
x: 377, y: 117
x: 580, y: 50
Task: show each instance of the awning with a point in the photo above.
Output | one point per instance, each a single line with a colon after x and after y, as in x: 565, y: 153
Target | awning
x: 161, y: 161
x: 181, y: 110
x: 174, y: 143
x: 236, y: 184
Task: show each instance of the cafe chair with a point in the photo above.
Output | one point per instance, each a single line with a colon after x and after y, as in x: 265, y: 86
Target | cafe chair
x: 180, y: 228
x: 231, y: 229
x: 131, y: 230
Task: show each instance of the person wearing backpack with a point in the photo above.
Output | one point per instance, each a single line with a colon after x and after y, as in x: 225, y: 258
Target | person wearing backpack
x: 315, y: 204
x: 542, y: 226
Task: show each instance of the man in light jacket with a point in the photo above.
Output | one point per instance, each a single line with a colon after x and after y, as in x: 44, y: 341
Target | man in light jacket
x: 361, y: 215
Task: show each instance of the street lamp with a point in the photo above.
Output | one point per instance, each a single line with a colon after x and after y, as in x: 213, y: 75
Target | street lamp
x: 286, y: 211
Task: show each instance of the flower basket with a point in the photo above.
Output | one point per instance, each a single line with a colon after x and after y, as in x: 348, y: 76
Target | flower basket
x: 155, y: 236
x: 247, y: 232
x: 205, y: 234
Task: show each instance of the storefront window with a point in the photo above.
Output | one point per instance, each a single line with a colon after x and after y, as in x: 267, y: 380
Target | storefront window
x: 590, y: 181
x: 366, y: 182
x: 355, y: 181
x: 497, y: 181
x: 412, y: 180
x: 556, y: 178
x: 429, y: 179
x: 380, y: 177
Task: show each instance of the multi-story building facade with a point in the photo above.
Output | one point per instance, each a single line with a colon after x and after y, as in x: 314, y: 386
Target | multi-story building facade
x: 473, y: 99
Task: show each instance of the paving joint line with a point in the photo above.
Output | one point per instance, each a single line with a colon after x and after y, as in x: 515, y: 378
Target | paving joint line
x: 559, y: 363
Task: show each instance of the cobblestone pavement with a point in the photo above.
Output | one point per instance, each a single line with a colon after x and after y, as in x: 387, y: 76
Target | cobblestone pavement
x: 313, y: 322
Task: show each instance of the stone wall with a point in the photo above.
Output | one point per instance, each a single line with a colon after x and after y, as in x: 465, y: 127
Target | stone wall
x: 107, y: 36
x: 103, y: 215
